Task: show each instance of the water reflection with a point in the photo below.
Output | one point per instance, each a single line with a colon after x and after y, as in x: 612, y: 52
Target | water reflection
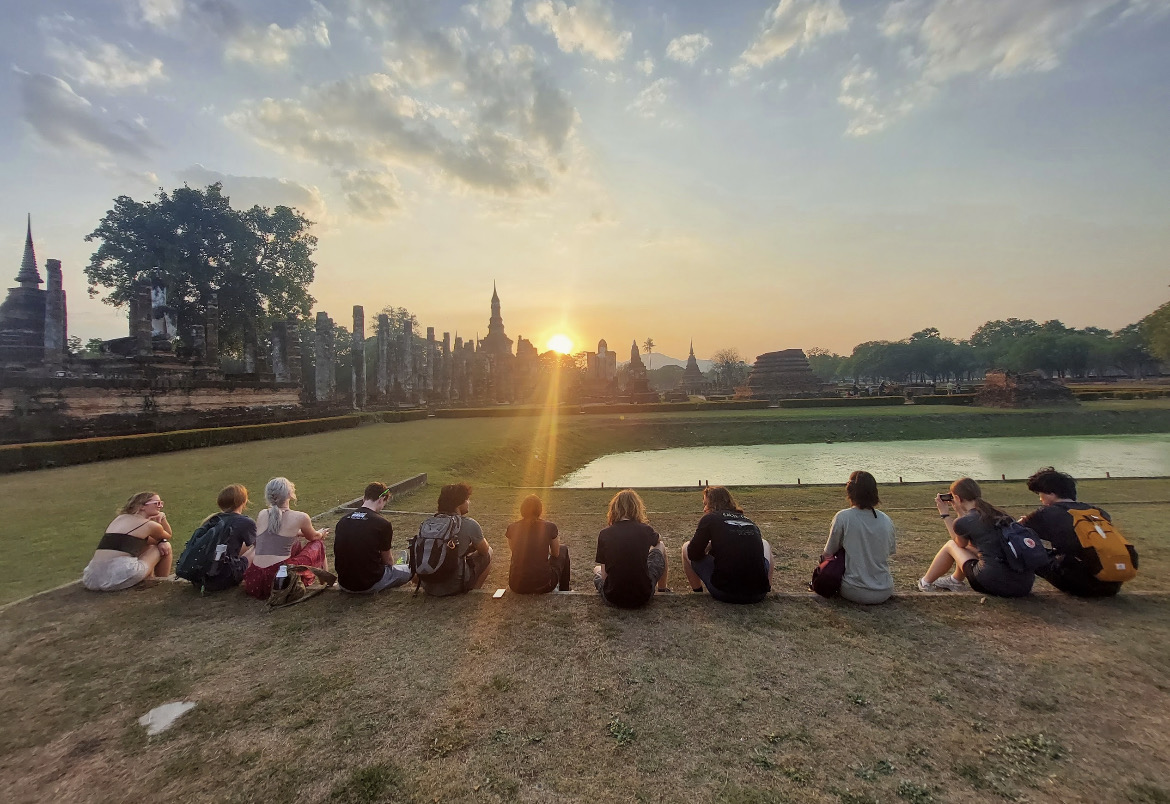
x: 933, y: 459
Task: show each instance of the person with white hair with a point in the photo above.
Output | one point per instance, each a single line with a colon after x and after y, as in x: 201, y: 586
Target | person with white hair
x: 284, y: 537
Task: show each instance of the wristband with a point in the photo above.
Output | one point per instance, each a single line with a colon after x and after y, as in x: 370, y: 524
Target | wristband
x: 943, y: 516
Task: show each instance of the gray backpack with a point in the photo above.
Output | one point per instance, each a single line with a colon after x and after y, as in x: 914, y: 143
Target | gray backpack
x: 434, y: 552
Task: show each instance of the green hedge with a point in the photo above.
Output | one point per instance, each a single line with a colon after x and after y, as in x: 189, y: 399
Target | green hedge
x: 573, y: 410
x: 1145, y: 393
x: 945, y: 399
x: 45, y: 454
x: 843, y: 402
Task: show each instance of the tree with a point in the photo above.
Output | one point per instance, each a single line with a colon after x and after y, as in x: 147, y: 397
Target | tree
x: 1155, y: 330
x: 825, y: 364
x: 730, y: 370
x: 193, y: 243
x: 648, y: 348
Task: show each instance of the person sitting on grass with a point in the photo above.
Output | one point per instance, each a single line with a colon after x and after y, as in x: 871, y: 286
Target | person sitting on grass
x: 134, y: 547
x: 285, y: 537
x: 728, y: 554
x: 238, y: 540
x: 362, y: 547
x: 1053, y: 523
x: 474, y: 552
x: 975, y: 549
x: 867, y: 535
x: 631, y: 558
x: 540, y: 563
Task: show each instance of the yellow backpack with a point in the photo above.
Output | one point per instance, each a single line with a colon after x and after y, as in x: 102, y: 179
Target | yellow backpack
x: 1104, y: 551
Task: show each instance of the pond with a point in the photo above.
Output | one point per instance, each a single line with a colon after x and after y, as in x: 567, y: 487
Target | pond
x: 934, y: 459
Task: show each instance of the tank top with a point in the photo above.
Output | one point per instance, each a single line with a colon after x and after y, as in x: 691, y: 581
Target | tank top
x: 124, y: 542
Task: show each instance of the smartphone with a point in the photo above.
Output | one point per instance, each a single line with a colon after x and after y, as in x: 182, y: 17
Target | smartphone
x: 947, y: 497
x: 498, y: 594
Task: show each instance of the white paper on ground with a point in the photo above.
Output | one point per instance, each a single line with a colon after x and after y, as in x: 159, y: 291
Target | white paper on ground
x: 161, y: 718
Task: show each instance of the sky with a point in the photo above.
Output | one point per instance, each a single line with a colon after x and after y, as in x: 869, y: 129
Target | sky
x: 743, y: 174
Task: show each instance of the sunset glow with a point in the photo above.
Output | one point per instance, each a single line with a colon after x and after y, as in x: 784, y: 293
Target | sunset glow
x: 560, y: 343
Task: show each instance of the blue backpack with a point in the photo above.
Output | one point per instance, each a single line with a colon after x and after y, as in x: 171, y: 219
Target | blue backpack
x: 1022, y: 549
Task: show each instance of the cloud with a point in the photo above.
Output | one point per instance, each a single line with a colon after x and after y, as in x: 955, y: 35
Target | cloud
x: 159, y: 13
x: 793, y: 23
x: 68, y: 121
x: 492, y: 14
x: 102, y: 64
x: 687, y: 48
x: 652, y: 99
x: 264, y: 191
x: 941, y: 40
x: 271, y: 45
x: 370, y: 194
x: 588, y: 27
x: 646, y: 65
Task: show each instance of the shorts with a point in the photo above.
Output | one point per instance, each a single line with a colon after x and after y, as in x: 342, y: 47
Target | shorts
x: 705, y: 568
x: 655, y: 569
x: 1004, y: 588
x: 477, y: 562
x: 391, y: 577
x: 112, y: 574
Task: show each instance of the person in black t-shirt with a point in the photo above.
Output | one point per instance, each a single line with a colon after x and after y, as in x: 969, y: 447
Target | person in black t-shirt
x: 728, y: 554
x: 630, y: 556
x: 361, y: 547
x: 1053, y: 523
x: 540, y: 563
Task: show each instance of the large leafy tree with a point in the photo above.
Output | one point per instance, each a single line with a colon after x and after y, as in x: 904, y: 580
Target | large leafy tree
x: 193, y: 243
x: 1155, y: 329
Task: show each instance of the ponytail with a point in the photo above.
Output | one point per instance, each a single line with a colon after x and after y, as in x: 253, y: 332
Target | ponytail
x: 968, y: 490
x: 279, y: 490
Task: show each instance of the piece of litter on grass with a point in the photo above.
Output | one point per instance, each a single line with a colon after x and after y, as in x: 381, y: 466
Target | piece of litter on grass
x: 982, y: 600
x: 161, y: 718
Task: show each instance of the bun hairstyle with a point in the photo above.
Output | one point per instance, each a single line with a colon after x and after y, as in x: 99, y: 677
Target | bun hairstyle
x: 720, y: 499
x: 862, y: 491
x: 277, y: 492
x: 135, y: 503
x: 627, y: 504
x: 968, y: 490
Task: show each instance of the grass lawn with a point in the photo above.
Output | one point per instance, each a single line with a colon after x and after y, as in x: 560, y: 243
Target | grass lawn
x: 929, y: 698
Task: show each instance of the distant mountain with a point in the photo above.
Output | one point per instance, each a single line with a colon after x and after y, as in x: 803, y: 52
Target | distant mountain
x: 658, y: 361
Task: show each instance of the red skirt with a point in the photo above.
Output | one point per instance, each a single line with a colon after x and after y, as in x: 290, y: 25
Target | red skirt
x: 258, y: 580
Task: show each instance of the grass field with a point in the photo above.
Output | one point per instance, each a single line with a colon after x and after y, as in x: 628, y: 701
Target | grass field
x: 928, y: 698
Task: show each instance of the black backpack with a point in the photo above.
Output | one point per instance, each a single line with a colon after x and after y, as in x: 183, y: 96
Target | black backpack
x: 434, y: 552
x: 198, y: 562
x: 1022, y: 548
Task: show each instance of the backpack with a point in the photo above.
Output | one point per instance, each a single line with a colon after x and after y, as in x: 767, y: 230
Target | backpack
x: 1022, y: 549
x: 201, y: 559
x: 1104, y: 551
x: 434, y: 552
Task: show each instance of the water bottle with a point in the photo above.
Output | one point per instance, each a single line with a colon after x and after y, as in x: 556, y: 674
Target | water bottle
x: 220, y: 550
x: 281, y: 581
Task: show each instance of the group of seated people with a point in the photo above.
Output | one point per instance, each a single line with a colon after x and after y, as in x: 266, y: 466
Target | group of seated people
x: 727, y: 557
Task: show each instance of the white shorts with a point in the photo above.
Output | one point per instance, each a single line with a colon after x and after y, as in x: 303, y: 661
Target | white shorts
x: 111, y: 574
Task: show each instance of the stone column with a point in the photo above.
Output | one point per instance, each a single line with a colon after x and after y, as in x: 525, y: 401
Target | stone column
x: 199, y: 342
x: 212, y: 354
x: 324, y: 366
x: 429, y: 378
x: 358, y: 357
x: 55, y: 339
x: 383, y: 371
x: 296, y: 350
x: 250, y: 346
x: 406, y: 358
x: 142, y: 327
x: 445, y: 369
x: 280, y: 352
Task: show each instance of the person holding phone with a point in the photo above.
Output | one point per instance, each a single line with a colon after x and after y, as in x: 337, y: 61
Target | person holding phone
x: 285, y: 537
x: 135, y: 546
x: 362, y: 546
x: 975, y: 547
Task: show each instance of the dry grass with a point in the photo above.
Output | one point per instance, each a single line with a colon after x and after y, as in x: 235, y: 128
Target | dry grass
x: 938, y: 698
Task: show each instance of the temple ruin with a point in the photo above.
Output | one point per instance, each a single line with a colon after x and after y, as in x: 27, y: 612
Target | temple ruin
x: 693, y: 381
x: 1006, y: 389
x: 783, y: 374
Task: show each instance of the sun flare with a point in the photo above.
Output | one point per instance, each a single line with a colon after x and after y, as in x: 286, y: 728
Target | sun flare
x: 560, y: 343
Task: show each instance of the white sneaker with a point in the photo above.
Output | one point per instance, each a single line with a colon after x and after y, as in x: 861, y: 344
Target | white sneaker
x: 949, y: 584
x: 923, y: 586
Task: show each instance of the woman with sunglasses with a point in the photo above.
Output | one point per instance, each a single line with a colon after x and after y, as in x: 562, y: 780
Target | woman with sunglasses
x: 135, y: 546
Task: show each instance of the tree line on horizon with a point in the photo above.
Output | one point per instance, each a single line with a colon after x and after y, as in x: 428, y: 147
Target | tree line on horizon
x: 259, y: 263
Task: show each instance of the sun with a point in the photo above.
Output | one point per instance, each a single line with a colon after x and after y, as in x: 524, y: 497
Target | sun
x: 560, y: 343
